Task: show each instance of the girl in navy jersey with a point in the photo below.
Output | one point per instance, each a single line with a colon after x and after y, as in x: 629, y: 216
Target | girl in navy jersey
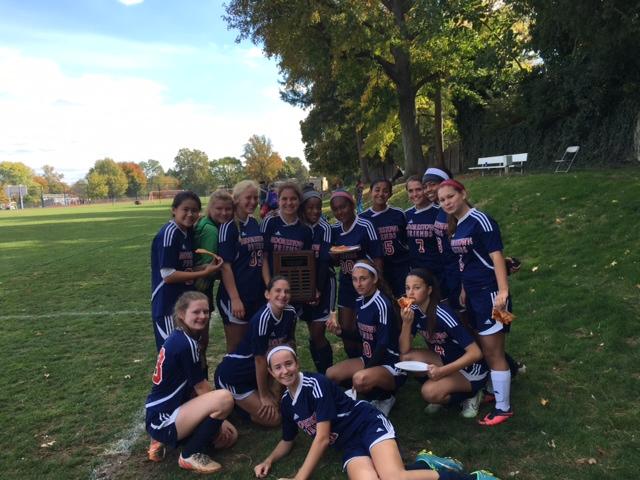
x: 174, y: 415
x: 173, y: 271
x: 391, y: 225
x: 283, y: 231
x: 374, y: 373
x: 356, y: 232
x: 363, y: 435
x: 424, y: 250
x: 240, y: 246
x: 317, y: 313
x: 243, y: 371
x: 475, y: 238
x: 456, y: 370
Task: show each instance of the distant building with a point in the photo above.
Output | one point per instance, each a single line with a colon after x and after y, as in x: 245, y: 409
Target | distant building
x: 319, y: 183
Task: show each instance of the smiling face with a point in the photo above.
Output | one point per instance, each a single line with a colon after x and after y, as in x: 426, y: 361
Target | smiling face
x: 221, y: 211
x: 196, y: 316
x: 416, y: 288
x: 363, y: 281
x: 284, y: 368
x: 343, y: 210
x: 453, y: 202
x: 312, y: 210
x: 380, y: 193
x: 247, y: 202
x: 279, y: 295
x: 415, y: 193
x: 431, y: 190
x: 288, y: 202
x: 186, y: 214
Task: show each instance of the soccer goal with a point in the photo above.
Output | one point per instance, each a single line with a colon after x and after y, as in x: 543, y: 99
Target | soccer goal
x: 160, y: 194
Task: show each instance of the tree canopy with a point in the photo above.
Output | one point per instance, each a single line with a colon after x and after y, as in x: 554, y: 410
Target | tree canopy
x: 261, y: 161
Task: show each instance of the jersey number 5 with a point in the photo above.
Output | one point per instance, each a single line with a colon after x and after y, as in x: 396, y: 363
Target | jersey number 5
x: 388, y: 248
x: 157, y: 372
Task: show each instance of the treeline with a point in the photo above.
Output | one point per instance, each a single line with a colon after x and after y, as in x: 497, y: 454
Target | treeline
x: 398, y: 81
x: 191, y: 170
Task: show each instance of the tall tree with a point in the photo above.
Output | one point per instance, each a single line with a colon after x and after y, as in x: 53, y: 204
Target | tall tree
x: 261, y: 162
x: 294, y: 168
x: 106, y: 172
x: 136, y: 179
x: 15, y: 173
x: 152, y: 168
x: 53, y: 179
x: 191, y: 167
x: 227, y: 171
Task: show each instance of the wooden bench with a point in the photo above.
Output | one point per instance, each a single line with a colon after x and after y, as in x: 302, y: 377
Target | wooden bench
x: 502, y: 163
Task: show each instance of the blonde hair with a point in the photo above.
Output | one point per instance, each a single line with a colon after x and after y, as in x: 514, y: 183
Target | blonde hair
x: 290, y: 186
x: 243, y: 186
x: 220, y: 195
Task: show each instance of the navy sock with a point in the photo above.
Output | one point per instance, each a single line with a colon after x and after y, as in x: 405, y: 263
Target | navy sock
x: 458, y: 397
x: 322, y: 357
x: 449, y: 475
x: 202, y: 437
x: 353, y: 351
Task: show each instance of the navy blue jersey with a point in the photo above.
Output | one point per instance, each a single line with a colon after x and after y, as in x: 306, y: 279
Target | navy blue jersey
x: 449, y: 259
x: 391, y: 226
x: 424, y: 248
x: 321, y: 245
x: 243, y: 250
x: 265, y: 331
x: 318, y: 399
x: 477, y: 235
x: 362, y: 234
x: 280, y: 236
x: 172, y: 248
x: 178, y: 370
x: 377, y: 326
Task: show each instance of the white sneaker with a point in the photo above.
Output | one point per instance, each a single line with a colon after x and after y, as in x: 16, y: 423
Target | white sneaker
x: 384, y: 405
x: 432, y: 408
x: 470, y: 406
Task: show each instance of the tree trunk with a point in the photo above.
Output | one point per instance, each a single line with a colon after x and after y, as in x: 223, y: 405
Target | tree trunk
x: 362, y: 159
x: 439, y: 153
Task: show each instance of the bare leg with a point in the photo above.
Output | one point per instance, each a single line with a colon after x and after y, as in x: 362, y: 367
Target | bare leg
x: 388, y: 463
x: 252, y: 405
x: 217, y: 404
x: 347, y: 320
x: 361, y: 468
x: 438, y: 391
x: 367, y: 379
x: 234, y: 333
x: 345, y: 369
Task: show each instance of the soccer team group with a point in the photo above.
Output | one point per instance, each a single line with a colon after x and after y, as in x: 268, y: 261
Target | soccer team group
x: 435, y: 270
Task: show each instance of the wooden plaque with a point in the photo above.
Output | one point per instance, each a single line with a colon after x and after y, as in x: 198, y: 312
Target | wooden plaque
x: 300, y: 269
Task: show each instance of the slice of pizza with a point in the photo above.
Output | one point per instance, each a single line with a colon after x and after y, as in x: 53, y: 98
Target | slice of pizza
x: 405, y: 302
x: 503, y: 316
x: 202, y: 251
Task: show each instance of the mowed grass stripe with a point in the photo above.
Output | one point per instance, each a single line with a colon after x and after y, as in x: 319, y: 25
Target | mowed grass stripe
x: 576, y: 331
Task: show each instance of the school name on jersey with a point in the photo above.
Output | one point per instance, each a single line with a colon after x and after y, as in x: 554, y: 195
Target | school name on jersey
x: 281, y: 244
x: 419, y: 230
x: 367, y: 332
x: 252, y: 243
x: 186, y: 258
x: 437, y: 338
x: 276, y: 341
x: 308, y: 426
x: 440, y: 228
x: 388, y: 233
x: 461, y: 245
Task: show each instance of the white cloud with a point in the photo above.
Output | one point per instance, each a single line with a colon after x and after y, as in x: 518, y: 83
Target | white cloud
x: 50, y: 117
x: 128, y: 3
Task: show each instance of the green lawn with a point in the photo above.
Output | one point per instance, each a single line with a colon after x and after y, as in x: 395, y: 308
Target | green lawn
x: 78, y: 351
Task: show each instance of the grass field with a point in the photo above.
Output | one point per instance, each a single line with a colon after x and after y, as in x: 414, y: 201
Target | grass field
x: 77, y: 348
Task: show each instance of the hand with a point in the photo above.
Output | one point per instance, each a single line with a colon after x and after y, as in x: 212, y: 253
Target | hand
x: 237, y: 308
x: 227, y: 436
x: 214, y: 265
x: 332, y: 324
x: 262, y: 470
x: 269, y: 408
x: 316, y: 300
x: 501, y: 300
x: 407, y: 315
x: 463, y: 298
x: 435, y: 372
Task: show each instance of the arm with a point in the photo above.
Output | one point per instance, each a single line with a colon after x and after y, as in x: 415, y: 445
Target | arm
x: 266, y: 274
x: 405, y: 338
x: 472, y: 355
x: 269, y: 404
x: 500, y: 270
x: 282, y: 450
x: 316, y: 451
x: 179, y: 276
x: 229, y: 281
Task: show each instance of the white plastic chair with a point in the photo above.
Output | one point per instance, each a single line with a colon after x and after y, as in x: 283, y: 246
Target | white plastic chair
x: 564, y: 164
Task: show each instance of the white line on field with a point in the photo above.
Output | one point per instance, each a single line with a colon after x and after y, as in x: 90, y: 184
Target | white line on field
x: 119, y: 448
x: 74, y: 314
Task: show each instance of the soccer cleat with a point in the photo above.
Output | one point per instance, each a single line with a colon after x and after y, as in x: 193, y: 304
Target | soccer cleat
x: 432, y: 408
x: 156, y: 451
x: 384, y: 405
x: 439, y: 464
x: 496, y: 417
x: 470, y: 406
x: 483, y: 475
x: 199, y: 463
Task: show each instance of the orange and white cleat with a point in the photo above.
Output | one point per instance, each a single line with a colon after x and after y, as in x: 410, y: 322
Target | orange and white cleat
x: 496, y: 417
x: 199, y: 463
x: 156, y: 451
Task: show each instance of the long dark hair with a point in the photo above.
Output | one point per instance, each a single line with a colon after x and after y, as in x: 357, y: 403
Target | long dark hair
x: 430, y: 280
x: 184, y: 196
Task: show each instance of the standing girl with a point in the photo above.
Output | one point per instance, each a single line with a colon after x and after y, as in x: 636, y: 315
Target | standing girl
x: 359, y: 234
x: 456, y: 370
x: 374, y: 373
x: 365, y: 437
x: 475, y: 238
x: 391, y: 225
x: 172, y: 265
x: 244, y: 370
x: 173, y: 415
x: 240, y: 246
x: 317, y: 313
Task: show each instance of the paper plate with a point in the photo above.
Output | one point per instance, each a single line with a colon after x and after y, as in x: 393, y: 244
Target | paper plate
x: 412, y: 366
x: 352, y: 248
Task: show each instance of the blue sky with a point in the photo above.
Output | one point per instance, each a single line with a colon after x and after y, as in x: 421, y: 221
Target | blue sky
x: 86, y: 79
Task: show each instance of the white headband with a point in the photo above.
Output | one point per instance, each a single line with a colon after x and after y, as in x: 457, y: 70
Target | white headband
x: 280, y: 348
x: 432, y: 171
x: 366, y: 266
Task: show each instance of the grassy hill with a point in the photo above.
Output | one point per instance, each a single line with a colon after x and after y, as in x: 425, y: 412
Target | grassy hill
x: 77, y: 344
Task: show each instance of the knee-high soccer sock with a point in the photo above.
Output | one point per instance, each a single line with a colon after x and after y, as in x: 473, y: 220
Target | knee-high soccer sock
x: 502, y: 388
x: 322, y: 357
x: 202, y: 437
